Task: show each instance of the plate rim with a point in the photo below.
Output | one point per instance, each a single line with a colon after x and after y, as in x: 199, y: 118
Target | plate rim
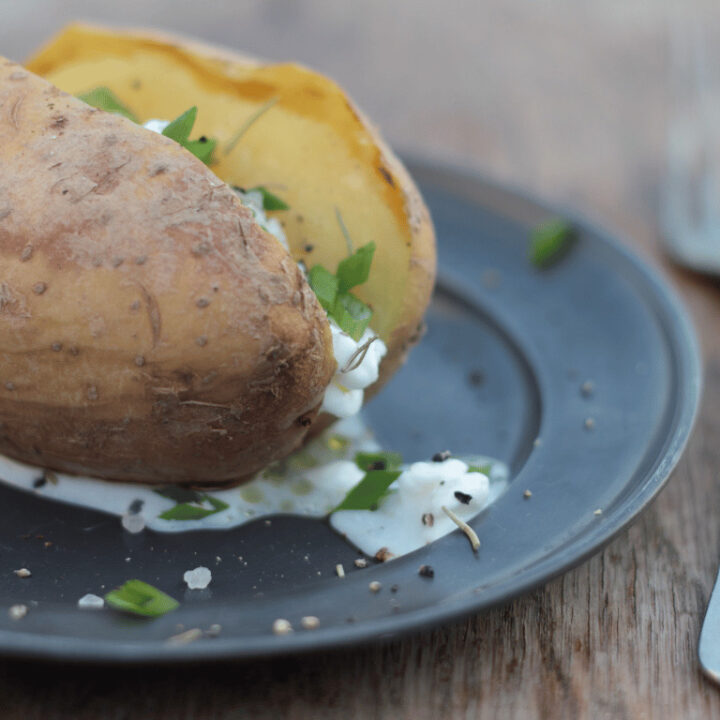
x: 683, y: 340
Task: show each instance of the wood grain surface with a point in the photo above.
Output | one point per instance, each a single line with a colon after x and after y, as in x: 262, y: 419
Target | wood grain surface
x: 569, y: 100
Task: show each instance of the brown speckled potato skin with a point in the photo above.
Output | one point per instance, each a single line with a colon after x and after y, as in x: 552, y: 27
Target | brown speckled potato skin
x: 149, y: 329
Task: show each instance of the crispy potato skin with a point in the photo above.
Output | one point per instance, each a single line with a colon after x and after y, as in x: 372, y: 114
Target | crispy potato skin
x: 314, y: 143
x: 149, y: 329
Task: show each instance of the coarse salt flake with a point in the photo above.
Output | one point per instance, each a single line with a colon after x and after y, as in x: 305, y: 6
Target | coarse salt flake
x: 91, y: 602
x: 17, y: 612
x: 133, y: 522
x: 198, y: 579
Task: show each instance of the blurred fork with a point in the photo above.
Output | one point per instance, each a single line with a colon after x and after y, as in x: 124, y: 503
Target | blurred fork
x: 709, y: 648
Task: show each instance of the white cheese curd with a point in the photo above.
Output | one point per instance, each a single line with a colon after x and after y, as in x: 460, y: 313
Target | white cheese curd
x: 310, y: 483
x: 157, y: 126
x: 358, y: 365
x: 412, y: 516
x: 253, y: 199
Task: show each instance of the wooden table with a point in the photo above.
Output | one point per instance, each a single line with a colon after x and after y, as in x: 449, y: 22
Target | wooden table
x: 568, y: 100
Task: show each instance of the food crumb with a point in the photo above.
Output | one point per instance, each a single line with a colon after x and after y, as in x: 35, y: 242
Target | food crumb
x: 383, y: 555
x: 375, y: 586
x: 218, y: 559
x: 394, y: 588
x: 428, y: 519
x: 361, y: 563
x: 587, y: 388
x: 537, y: 442
x: 23, y: 573
x: 441, y: 456
x: 198, y: 579
x: 527, y: 494
x: 214, y: 630
x: 310, y: 622
x: 426, y: 571
x: 91, y: 602
x: 340, y: 570
x: 469, y: 532
x: 598, y: 512
x: 589, y: 423
x: 133, y: 522
x: 476, y: 378
x: 186, y: 637
x: 17, y: 612
x: 282, y: 627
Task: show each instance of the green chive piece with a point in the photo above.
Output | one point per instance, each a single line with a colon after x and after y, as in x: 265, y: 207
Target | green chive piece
x: 180, y: 494
x: 355, y: 269
x: 369, y: 491
x: 248, y: 124
x: 193, y: 511
x: 103, y: 98
x: 180, y: 128
x: 484, y: 469
x: 270, y: 200
x: 370, y: 461
x: 344, y: 230
x: 139, y: 598
x: 549, y: 241
x: 201, y: 149
x: 325, y: 286
x: 351, y: 314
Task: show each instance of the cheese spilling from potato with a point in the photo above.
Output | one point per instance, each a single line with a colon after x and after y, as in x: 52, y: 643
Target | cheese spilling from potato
x: 358, y: 362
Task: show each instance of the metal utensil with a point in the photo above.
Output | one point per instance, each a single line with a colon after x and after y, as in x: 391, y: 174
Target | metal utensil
x: 709, y: 649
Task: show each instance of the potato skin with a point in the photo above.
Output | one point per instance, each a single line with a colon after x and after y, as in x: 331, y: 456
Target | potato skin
x: 345, y: 165
x: 149, y: 329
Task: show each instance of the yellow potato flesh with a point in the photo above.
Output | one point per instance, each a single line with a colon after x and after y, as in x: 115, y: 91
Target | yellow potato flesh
x: 311, y: 148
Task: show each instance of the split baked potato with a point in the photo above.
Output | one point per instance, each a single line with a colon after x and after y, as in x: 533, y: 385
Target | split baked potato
x: 150, y: 329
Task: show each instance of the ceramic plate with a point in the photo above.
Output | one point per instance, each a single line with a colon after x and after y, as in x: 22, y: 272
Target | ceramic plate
x: 501, y: 371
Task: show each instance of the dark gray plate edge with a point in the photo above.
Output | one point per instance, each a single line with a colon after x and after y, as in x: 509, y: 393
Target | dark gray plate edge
x: 681, y: 339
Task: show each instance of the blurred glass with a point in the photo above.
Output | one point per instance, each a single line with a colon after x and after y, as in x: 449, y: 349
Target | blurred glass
x: 690, y: 212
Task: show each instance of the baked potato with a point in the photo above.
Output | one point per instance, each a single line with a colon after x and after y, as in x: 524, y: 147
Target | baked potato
x: 314, y: 146
x: 150, y: 329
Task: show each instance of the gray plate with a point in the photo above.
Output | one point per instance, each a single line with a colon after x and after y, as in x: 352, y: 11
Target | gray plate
x: 506, y: 352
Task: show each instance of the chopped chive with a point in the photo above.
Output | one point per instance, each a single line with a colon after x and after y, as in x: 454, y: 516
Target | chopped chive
x: 139, y: 598
x: 180, y: 128
x: 180, y: 494
x: 484, y: 469
x: 369, y: 491
x: 355, y: 269
x: 325, y: 286
x: 103, y: 98
x: 373, y: 461
x: 248, y: 124
x: 192, y: 511
x: 344, y: 230
x: 270, y: 200
x: 549, y: 241
x: 351, y: 314
x: 201, y: 149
